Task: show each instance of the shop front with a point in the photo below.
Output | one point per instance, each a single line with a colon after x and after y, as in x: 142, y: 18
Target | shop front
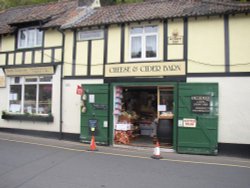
x: 181, y: 116
x: 143, y: 113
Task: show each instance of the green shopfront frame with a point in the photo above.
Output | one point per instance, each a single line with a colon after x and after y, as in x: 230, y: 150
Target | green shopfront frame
x: 195, y: 108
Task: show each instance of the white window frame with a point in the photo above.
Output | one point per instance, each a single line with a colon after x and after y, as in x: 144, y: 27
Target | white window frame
x: 143, y: 36
x: 35, y: 41
x: 22, y: 83
x: 88, y: 36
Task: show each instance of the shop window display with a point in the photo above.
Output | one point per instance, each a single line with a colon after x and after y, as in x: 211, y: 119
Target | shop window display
x: 30, y: 95
x: 136, y: 119
x: 139, y: 112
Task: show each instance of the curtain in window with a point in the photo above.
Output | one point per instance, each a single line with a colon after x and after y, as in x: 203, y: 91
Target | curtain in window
x: 45, y: 93
x: 31, y: 38
x: 39, y: 38
x: 22, y: 38
x: 136, y: 47
x: 15, y: 98
x: 151, y: 46
x: 30, y: 99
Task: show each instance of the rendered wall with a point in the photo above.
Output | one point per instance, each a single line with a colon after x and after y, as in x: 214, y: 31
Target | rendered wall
x: 68, y: 53
x: 52, y: 38
x: 114, y: 44
x: 81, y: 58
x: 234, y: 108
x: 206, y: 45
x: 239, y: 38
x: 72, y: 104
x: 91, y: 52
x: 8, y: 43
x: 43, y: 126
x: 97, y: 57
x: 175, y: 52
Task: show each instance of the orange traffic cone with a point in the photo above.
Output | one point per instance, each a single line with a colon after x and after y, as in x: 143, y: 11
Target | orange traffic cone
x: 92, y: 144
x: 157, y: 152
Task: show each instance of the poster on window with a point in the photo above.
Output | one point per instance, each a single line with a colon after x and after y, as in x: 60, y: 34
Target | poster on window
x: 190, y: 123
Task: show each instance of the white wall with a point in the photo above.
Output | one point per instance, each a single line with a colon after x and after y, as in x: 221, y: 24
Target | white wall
x: 234, y: 108
x: 42, y: 126
x: 72, y: 104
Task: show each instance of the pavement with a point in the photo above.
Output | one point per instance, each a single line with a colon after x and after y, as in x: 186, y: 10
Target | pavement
x: 142, y: 153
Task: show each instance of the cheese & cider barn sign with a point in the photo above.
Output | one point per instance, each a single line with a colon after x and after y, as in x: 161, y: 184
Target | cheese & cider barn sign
x: 145, y: 69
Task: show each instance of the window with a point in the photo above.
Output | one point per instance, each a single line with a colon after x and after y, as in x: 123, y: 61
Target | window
x: 90, y: 35
x: 144, y: 42
x: 30, y: 95
x: 29, y: 37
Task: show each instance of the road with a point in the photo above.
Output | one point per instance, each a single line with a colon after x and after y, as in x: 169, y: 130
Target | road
x: 31, y: 162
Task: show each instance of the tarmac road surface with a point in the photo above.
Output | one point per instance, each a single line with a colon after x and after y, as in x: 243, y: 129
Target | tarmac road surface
x: 32, y: 162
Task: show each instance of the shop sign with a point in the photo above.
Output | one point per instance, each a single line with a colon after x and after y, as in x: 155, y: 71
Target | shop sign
x: 100, y: 106
x: 30, y: 71
x: 145, y: 69
x: 201, y: 103
x: 92, y: 123
x: 190, y: 123
x: 175, y: 39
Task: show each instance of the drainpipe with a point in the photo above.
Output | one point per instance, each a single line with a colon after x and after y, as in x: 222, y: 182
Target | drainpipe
x: 61, y: 84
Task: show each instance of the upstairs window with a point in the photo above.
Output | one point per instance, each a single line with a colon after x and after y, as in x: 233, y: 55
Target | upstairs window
x: 91, y: 35
x: 29, y: 38
x: 144, y: 43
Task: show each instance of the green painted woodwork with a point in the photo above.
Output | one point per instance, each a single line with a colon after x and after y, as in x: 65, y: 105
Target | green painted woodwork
x: 97, y: 97
x: 202, y: 139
x: 199, y: 140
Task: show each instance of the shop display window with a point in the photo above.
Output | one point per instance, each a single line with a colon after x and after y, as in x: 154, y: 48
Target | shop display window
x: 139, y: 113
x: 30, y: 95
x: 15, y: 98
x: 165, y: 103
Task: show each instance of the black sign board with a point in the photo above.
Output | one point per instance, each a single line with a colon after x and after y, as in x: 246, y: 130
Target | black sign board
x: 201, y: 103
x: 100, y: 106
x: 92, y: 123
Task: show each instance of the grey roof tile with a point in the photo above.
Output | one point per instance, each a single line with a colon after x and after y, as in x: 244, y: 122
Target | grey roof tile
x: 67, y: 14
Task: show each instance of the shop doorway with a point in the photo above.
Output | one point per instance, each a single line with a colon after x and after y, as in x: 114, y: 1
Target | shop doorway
x: 143, y: 115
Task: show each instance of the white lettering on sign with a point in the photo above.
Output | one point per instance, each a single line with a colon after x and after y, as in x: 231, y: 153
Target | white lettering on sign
x: 191, y: 123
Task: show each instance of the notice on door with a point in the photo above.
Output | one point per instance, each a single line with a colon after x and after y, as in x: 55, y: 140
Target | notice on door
x: 200, y: 103
x: 191, y: 123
